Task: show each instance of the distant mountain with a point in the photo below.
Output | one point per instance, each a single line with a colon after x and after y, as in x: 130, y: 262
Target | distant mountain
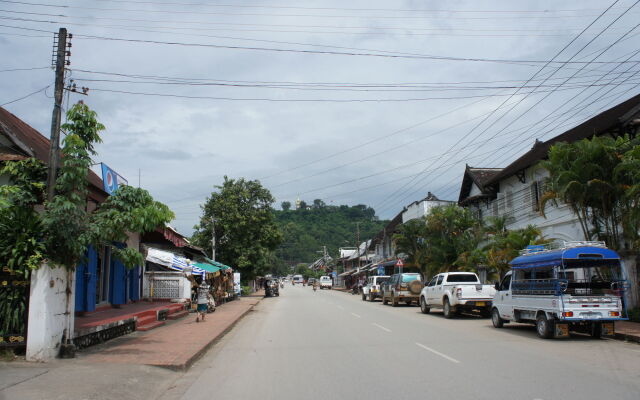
x: 309, y: 228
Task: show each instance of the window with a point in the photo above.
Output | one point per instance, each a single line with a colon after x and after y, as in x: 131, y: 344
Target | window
x: 462, y: 278
x: 410, y: 277
x: 506, y: 281
x: 494, y: 207
x: 433, y: 281
x: 440, y: 279
x: 535, y: 196
x: 509, y: 201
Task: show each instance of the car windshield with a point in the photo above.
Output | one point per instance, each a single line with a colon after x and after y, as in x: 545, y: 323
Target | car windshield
x: 462, y: 278
x: 410, y: 277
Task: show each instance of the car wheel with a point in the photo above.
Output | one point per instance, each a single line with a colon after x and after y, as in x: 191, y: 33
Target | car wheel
x: 364, y: 297
x: 370, y: 297
x: 394, y: 301
x: 423, y: 306
x: 495, y: 319
x: 384, y: 299
x: 596, y: 330
x: 446, y: 308
x: 543, y: 326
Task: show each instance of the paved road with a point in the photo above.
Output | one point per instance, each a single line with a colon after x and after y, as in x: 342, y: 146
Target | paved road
x: 306, y: 345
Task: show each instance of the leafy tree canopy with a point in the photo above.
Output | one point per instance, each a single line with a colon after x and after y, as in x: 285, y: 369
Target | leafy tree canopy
x: 305, y: 231
x: 598, y: 179
x: 245, y: 229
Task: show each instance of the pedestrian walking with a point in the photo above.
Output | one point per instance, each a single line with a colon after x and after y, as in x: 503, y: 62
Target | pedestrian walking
x: 202, y: 300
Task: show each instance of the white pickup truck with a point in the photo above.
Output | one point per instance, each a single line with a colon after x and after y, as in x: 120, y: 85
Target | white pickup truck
x: 325, y: 282
x: 455, y: 292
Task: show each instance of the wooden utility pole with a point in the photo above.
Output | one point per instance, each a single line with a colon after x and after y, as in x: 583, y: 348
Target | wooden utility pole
x: 213, y: 238
x: 54, y: 149
x: 358, y: 242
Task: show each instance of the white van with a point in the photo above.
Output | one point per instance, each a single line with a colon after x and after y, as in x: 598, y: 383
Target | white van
x: 298, y: 279
x: 325, y: 282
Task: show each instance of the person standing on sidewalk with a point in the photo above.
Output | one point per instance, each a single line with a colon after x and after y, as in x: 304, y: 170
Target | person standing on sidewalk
x: 202, y: 300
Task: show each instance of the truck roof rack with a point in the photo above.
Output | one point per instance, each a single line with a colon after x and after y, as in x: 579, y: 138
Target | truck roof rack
x: 560, y: 245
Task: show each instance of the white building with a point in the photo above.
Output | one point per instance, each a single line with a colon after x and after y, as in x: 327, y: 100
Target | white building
x: 515, y: 191
x: 422, y: 208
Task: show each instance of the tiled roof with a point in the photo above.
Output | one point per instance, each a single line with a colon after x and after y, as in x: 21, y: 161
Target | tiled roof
x: 31, y: 143
x: 602, y: 123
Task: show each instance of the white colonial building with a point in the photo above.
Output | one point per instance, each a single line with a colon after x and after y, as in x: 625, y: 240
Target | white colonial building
x: 515, y: 191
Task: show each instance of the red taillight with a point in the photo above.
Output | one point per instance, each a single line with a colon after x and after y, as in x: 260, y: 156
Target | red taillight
x: 567, y: 314
x: 614, y: 313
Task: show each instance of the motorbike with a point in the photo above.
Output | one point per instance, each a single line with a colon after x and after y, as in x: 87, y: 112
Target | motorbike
x: 271, y: 289
x: 355, y: 289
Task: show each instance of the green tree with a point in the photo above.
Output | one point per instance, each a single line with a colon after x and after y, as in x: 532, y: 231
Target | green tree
x: 63, y: 231
x: 286, y: 205
x: 306, y: 232
x: 597, y: 180
x: 245, y: 229
x: 410, y: 240
x: 503, y: 246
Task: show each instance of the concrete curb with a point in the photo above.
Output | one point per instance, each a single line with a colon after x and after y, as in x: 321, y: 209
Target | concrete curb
x: 626, y: 337
x: 187, y: 364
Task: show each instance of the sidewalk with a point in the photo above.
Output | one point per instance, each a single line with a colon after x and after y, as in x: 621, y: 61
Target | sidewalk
x: 626, y: 330
x: 175, y: 346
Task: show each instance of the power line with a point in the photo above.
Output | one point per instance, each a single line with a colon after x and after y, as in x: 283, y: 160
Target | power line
x: 387, y: 199
x: 368, y: 29
x: 23, y: 69
x: 314, y: 100
x: 201, y: 12
x: 25, y: 96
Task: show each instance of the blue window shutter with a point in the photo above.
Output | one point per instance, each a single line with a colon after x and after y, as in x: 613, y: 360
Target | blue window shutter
x: 81, y: 287
x: 134, y: 284
x: 118, y: 280
x: 91, y: 279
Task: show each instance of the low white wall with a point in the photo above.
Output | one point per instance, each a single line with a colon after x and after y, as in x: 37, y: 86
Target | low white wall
x: 47, y: 312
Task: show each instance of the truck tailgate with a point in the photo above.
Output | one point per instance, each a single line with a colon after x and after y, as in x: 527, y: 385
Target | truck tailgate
x: 476, y: 292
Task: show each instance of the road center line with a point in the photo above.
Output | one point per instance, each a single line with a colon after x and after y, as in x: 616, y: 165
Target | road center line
x: 382, y: 327
x: 438, y: 353
x: 356, y: 315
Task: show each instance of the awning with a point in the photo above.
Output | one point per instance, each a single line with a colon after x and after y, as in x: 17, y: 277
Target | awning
x: 218, y: 264
x: 173, y: 261
x: 208, y: 268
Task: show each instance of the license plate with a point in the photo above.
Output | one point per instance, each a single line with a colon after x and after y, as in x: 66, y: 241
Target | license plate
x: 562, y: 330
x: 480, y: 303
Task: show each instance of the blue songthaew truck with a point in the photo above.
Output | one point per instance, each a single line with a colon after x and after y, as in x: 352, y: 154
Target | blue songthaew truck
x: 575, y: 286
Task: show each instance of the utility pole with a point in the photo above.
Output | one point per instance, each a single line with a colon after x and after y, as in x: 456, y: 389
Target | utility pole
x: 358, y: 242
x: 213, y: 238
x: 54, y: 149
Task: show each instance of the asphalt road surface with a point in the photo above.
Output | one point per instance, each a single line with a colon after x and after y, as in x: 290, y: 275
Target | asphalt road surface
x: 332, y: 345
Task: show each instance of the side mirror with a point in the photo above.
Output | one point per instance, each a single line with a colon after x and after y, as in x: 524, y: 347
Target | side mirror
x: 497, y: 286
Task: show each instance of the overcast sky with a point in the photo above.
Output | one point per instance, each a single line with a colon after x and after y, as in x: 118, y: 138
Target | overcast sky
x: 375, y: 102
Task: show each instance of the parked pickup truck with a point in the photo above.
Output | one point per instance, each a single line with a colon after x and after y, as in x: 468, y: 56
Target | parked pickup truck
x: 372, y: 289
x: 576, y: 287
x: 325, y: 282
x: 455, y: 292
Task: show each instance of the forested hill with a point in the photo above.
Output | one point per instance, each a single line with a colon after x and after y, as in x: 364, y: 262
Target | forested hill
x: 309, y: 228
